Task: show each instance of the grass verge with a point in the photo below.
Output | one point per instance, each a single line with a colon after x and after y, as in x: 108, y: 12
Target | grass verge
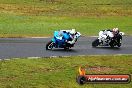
x: 60, y: 72
x: 30, y: 26
x: 30, y: 18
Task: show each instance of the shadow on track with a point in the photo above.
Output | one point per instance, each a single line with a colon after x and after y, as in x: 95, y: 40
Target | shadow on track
x: 109, y: 48
x: 62, y: 50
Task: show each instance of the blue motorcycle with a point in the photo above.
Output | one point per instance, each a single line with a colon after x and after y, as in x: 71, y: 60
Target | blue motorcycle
x: 60, y: 41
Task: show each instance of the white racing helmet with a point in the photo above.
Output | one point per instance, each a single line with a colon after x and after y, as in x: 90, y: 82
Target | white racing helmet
x: 60, y: 33
x: 72, y: 31
x: 115, y: 30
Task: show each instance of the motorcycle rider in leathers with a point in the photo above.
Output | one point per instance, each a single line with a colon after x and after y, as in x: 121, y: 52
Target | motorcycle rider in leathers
x: 72, y: 34
x: 107, y: 34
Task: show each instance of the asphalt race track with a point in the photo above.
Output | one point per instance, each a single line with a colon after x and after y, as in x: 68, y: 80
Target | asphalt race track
x: 35, y: 47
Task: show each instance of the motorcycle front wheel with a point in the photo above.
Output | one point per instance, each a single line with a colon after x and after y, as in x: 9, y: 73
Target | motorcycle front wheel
x: 95, y: 43
x: 49, y: 45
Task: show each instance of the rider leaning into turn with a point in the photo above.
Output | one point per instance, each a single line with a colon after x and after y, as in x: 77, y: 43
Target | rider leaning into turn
x: 73, y: 35
x: 107, y: 34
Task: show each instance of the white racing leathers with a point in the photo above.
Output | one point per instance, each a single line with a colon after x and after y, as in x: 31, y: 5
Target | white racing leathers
x: 103, y: 35
x: 74, y: 38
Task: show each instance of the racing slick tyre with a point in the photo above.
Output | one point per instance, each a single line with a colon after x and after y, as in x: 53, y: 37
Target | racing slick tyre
x: 49, y: 45
x: 95, y: 43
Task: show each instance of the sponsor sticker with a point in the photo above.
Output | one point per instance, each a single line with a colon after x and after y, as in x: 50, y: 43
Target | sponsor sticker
x: 83, y: 78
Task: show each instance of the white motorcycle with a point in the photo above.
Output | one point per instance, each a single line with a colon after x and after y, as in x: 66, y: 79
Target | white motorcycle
x: 112, y: 42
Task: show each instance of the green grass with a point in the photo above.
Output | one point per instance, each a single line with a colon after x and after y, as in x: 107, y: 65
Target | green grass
x: 60, y: 72
x: 68, y: 7
x: 23, y: 18
x: 23, y: 26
